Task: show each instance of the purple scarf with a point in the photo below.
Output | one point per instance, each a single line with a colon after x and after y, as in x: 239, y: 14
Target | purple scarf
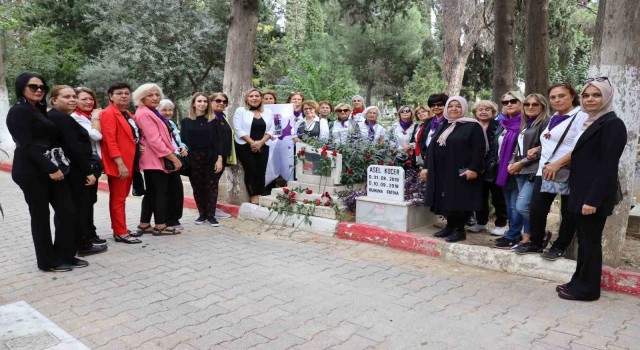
x: 435, y: 123
x: 512, y: 126
x: 219, y: 115
x: 405, y: 125
x: 372, y: 133
x: 530, y: 121
x: 164, y: 120
x: 557, y: 119
x: 297, y: 114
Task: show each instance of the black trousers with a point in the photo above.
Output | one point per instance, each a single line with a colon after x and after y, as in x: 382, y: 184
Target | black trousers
x: 40, y: 191
x: 175, y: 198
x: 203, y: 182
x: 156, y: 198
x: 457, y: 219
x: 497, y: 200
x: 539, y: 210
x: 254, y: 165
x: 82, y: 197
x: 93, y: 233
x: 585, y: 282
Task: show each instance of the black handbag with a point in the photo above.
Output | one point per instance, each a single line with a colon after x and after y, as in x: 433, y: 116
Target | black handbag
x: 57, y: 157
x: 138, y: 185
x: 95, y: 164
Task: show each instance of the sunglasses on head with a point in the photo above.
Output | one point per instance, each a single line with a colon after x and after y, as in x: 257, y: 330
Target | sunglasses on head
x: 36, y: 87
x: 342, y: 110
x: 599, y: 79
x: 512, y: 101
x: 219, y: 101
x: 531, y: 104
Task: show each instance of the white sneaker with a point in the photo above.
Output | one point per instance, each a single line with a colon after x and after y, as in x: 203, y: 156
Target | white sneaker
x: 222, y: 215
x: 498, y: 231
x: 477, y: 228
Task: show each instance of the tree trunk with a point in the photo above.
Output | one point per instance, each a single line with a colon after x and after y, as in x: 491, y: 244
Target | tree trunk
x: 456, y: 75
x: 536, y: 47
x: 615, y: 55
x: 504, y: 48
x: 367, y: 101
x: 238, y: 75
x: 6, y: 142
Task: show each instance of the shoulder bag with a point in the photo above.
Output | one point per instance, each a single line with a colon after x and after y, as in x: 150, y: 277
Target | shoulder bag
x: 560, y: 185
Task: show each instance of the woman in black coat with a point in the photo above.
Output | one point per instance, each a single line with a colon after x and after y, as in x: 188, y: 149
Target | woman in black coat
x: 76, y: 144
x: 594, y: 186
x: 41, y: 181
x: 454, y: 161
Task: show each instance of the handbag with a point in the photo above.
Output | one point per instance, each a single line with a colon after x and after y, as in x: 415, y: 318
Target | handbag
x: 232, y: 159
x: 560, y: 184
x: 168, y: 165
x: 57, y: 157
x: 95, y: 164
x: 137, y: 188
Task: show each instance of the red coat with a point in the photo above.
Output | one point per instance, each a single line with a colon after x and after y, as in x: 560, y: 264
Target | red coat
x: 117, y: 140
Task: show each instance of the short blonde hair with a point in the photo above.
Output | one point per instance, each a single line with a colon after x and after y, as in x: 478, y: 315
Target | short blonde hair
x: 142, y: 91
x: 246, y: 99
x: 342, y: 106
x: 486, y: 104
x: 516, y: 94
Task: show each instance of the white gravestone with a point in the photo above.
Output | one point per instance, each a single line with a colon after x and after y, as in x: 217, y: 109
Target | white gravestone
x: 385, y: 182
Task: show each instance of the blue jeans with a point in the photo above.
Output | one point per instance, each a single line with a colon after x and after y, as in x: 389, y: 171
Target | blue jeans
x: 524, y: 200
x: 515, y: 219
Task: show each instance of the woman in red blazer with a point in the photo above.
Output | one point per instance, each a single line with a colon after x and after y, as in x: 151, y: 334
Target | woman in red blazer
x: 120, y: 138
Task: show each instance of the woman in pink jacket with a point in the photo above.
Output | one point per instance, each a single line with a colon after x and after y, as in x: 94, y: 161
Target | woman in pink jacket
x: 158, y: 153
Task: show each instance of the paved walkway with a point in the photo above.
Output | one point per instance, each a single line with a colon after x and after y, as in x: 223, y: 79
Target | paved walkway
x: 235, y: 287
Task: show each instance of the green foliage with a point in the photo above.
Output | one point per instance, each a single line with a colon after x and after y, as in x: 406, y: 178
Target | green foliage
x: 427, y: 80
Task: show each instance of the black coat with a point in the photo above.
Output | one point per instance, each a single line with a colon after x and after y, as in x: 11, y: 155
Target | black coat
x: 74, y: 140
x: 594, y: 165
x: 421, y: 142
x: 465, y: 149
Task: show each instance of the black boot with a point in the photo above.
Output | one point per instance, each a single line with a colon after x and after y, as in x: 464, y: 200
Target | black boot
x: 459, y: 234
x: 445, y: 232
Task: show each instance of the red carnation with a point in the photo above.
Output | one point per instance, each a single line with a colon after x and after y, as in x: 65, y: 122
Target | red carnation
x: 411, y: 152
x: 306, y: 201
x: 325, y: 147
x: 390, y: 163
x: 409, y: 162
x: 326, y: 204
x: 291, y: 200
x: 285, y: 190
x: 301, y: 152
x: 367, y: 156
x: 323, y: 153
x: 309, y: 191
x: 334, y: 153
x: 318, y: 202
x: 349, y: 171
x: 292, y: 194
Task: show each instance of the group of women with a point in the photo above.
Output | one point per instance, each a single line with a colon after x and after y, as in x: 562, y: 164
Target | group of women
x: 531, y: 157
x: 521, y: 158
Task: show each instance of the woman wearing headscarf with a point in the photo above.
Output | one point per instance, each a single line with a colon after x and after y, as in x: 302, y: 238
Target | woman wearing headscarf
x: 41, y: 181
x: 370, y: 128
x: 454, y: 161
x: 508, y: 139
x: 357, y: 113
x: 594, y: 185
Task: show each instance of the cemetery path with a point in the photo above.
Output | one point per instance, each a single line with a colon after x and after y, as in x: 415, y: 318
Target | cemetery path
x: 236, y: 286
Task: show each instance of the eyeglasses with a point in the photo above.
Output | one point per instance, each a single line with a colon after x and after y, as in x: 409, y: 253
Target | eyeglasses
x: 342, y: 110
x: 120, y: 93
x: 531, y: 104
x: 405, y: 111
x: 219, y: 101
x: 436, y: 105
x: 36, y: 87
x: 307, y: 109
x: 512, y: 101
x: 599, y: 79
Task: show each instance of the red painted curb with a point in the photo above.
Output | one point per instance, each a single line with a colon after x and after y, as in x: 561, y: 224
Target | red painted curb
x: 388, y: 238
x: 620, y: 281
x: 6, y: 167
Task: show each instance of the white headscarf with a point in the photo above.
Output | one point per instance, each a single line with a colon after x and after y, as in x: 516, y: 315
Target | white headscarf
x: 607, y: 100
x: 442, y: 140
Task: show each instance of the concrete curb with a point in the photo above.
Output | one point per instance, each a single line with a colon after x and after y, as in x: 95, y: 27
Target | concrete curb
x: 615, y: 280
x: 189, y: 202
x: 322, y: 226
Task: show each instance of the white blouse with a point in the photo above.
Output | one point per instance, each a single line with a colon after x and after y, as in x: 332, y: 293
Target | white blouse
x: 339, y: 133
x: 94, y: 134
x: 377, y: 129
x: 242, y: 120
x: 549, y: 139
x: 402, y: 137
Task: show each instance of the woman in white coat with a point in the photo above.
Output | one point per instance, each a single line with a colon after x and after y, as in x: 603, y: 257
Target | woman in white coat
x: 253, y: 126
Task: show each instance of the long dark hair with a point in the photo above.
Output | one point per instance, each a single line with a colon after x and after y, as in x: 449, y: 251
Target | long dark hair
x: 22, y: 81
